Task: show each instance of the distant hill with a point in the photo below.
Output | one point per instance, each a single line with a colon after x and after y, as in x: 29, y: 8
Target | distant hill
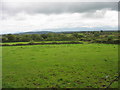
x: 46, y: 32
x: 37, y: 32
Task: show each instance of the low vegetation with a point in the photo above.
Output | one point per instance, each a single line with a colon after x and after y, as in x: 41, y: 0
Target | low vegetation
x: 60, y: 66
x: 108, y: 37
x: 71, y: 60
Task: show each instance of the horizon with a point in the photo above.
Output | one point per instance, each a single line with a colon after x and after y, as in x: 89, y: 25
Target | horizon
x: 59, y: 31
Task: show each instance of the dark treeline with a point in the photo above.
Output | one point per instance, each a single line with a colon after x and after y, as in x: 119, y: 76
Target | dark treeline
x: 36, y: 37
x: 93, y: 36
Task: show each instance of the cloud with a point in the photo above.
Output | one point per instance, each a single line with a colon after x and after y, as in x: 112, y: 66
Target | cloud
x: 24, y: 16
x: 12, y: 8
x: 26, y: 22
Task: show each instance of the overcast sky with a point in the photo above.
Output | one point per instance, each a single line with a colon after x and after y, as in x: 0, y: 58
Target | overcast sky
x: 57, y: 16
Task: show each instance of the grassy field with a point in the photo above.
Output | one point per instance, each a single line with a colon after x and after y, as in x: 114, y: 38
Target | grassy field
x: 60, y: 66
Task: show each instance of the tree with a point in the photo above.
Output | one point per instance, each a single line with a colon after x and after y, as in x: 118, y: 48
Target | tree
x: 36, y: 37
x: 101, y: 30
x: 81, y: 36
x: 75, y: 35
x: 11, y: 37
x: 4, y: 39
x: 96, y: 35
x: 110, y: 38
x: 44, y: 36
x: 26, y: 38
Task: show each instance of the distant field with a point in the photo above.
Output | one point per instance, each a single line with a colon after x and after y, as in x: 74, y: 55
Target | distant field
x: 54, y: 66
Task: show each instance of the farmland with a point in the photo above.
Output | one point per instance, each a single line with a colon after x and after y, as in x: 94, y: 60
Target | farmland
x: 60, y: 66
x: 54, y: 44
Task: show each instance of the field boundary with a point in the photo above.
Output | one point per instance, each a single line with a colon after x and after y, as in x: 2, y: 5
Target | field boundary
x: 41, y: 43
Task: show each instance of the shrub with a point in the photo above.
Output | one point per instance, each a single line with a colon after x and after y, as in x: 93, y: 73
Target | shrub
x: 110, y: 38
x: 31, y: 42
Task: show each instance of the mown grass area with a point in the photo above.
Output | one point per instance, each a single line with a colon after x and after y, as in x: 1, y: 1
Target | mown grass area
x: 60, y: 66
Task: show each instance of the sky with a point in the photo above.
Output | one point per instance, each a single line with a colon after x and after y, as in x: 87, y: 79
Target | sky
x: 23, y: 16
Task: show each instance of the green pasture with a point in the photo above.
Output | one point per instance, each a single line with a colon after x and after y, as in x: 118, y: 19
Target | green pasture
x: 60, y: 66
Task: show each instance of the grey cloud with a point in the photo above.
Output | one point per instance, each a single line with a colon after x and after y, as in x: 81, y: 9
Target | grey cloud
x: 99, y: 14
x: 12, y: 8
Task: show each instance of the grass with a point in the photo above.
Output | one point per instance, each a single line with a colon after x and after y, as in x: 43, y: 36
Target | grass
x: 60, y: 66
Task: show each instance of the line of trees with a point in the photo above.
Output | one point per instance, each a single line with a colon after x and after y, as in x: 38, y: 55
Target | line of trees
x: 38, y: 37
x: 99, y: 37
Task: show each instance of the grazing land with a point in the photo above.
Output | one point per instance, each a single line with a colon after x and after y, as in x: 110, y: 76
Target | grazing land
x: 60, y: 66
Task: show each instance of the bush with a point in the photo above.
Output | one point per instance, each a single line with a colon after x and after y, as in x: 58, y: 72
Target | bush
x: 31, y: 42
x: 110, y: 38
